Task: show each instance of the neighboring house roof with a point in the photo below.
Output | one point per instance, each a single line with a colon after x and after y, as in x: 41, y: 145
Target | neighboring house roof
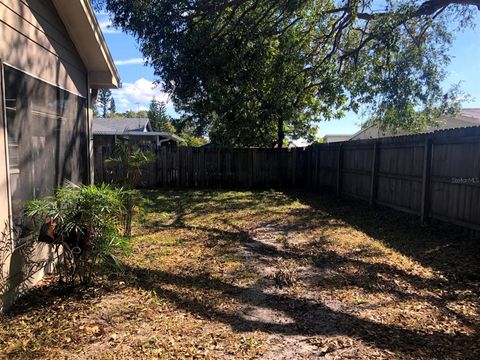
x: 298, y: 143
x: 84, y: 30
x: 473, y: 113
x: 466, y: 118
x: 130, y: 127
x: 336, y: 137
x: 121, y: 125
x: 164, y: 135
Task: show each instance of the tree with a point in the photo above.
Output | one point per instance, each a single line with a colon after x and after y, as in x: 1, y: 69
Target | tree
x: 253, y: 72
x: 142, y: 114
x: 159, y: 119
x: 104, y: 100
x: 189, y: 139
x: 130, y: 114
x: 188, y: 132
x: 113, y: 108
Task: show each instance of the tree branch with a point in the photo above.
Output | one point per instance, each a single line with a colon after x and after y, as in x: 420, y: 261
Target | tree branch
x: 429, y: 7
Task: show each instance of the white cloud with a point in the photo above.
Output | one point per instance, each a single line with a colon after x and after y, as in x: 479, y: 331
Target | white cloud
x: 99, y: 13
x: 108, y: 28
x: 132, y: 61
x: 137, y: 95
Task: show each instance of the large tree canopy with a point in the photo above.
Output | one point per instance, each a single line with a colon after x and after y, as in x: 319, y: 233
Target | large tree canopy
x: 250, y: 72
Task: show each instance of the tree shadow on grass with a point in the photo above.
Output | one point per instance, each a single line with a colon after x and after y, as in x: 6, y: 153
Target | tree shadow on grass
x: 200, y: 293
x: 443, y: 247
x: 181, y: 204
x: 309, y: 318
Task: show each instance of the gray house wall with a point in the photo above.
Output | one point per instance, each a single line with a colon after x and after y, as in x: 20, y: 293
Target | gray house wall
x: 44, y: 47
x: 33, y: 39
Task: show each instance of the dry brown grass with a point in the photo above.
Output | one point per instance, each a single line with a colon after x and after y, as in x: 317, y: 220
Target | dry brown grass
x: 201, y: 283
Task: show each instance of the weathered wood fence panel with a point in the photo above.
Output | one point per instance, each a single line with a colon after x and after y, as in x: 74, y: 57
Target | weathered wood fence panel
x: 454, y: 181
x: 356, y: 170
x: 431, y: 175
x: 399, y: 176
x: 185, y: 167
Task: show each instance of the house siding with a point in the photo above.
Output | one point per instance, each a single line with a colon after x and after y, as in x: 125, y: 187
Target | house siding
x: 34, y: 40
x: 43, y: 47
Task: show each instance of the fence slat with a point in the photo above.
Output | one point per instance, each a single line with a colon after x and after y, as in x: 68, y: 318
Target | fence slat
x: 374, y: 178
x: 427, y: 165
x: 339, y: 170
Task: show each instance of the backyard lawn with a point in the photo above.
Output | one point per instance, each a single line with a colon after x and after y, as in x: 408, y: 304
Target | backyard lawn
x: 265, y: 275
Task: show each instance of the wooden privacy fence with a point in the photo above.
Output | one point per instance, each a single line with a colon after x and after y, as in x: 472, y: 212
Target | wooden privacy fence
x: 433, y: 175
x: 187, y: 167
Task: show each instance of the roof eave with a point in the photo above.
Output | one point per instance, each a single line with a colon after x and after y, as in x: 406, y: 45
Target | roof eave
x: 84, y: 30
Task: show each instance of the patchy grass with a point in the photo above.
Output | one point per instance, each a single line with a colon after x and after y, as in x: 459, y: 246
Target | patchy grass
x: 265, y: 275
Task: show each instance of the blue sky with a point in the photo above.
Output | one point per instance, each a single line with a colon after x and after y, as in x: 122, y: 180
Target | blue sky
x: 138, y: 88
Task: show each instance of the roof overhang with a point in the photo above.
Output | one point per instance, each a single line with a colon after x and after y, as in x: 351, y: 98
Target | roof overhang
x: 165, y: 135
x: 85, y: 32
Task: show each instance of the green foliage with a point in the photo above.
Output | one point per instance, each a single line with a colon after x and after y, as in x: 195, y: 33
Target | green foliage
x: 254, y: 72
x: 159, y: 119
x: 190, y: 139
x: 128, y: 164
x: 104, y: 100
x: 92, y: 216
x: 113, y: 108
x: 142, y: 114
x: 130, y: 114
x: 188, y: 132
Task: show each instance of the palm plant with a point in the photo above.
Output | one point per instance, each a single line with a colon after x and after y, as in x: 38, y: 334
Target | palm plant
x: 128, y: 163
x: 87, y: 221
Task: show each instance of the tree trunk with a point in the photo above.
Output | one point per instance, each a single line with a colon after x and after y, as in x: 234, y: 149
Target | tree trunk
x: 281, y: 133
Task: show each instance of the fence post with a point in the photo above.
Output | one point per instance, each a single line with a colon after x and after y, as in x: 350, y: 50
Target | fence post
x: 309, y: 167
x: 315, y: 172
x: 373, y: 180
x: 163, y: 152
x: 427, y: 165
x: 178, y: 167
x: 158, y: 159
x: 339, y: 170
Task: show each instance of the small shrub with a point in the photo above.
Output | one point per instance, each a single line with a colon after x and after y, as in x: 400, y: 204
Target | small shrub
x: 126, y: 169
x: 85, y: 223
x: 286, y: 273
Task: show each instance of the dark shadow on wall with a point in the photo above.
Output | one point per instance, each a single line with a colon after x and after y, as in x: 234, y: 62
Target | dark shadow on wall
x: 19, y: 264
x: 47, y: 125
